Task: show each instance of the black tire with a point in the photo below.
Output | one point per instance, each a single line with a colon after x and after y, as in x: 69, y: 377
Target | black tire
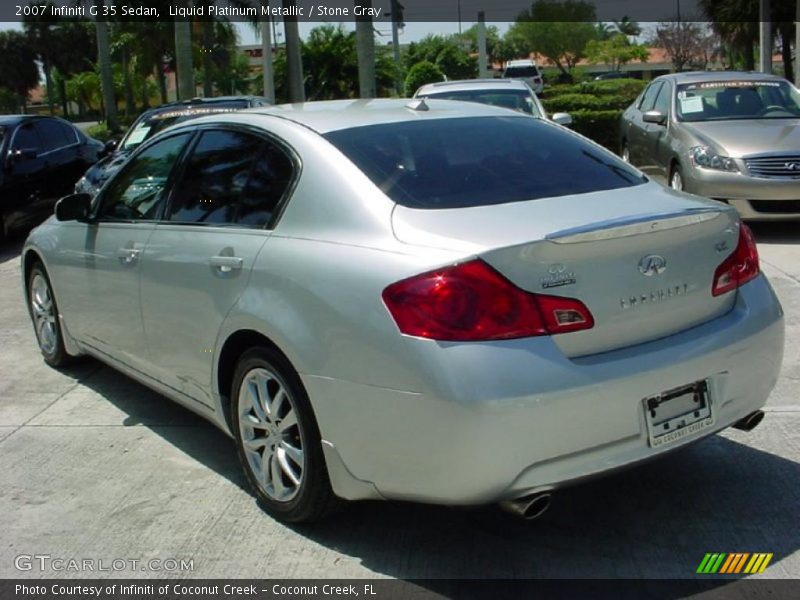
x: 52, y: 348
x: 313, y: 497
x: 676, y: 178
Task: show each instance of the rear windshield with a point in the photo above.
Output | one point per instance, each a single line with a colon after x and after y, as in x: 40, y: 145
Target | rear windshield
x: 514, y: 99
x: 479, y: 161
x: 521, y: 72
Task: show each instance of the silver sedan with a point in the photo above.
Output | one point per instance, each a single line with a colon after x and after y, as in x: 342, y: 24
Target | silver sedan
x: 446, y: 303
x: 730, y: 136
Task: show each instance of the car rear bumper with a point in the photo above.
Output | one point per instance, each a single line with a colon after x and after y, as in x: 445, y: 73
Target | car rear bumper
x: 498, y: 420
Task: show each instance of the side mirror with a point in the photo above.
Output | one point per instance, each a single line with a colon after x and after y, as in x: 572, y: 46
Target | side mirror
x: 654, y: 116
x: 562, y: 118
x: 74, y: 207
x: 108, y: 148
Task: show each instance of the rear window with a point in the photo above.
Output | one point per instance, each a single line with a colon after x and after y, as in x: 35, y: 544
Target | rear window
x: 521, y: 72
x: 479, y: 161
x: 514, y: 99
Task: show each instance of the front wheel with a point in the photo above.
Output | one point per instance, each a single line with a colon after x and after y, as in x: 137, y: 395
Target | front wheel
x: 277, y: 438
x: 625, y: 154
x: 676, y: 179
x: 44, y: 313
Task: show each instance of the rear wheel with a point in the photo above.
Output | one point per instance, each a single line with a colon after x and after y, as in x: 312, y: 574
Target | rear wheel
x: 278, y: 440
x: 44, y: 313
x: 676, y: 178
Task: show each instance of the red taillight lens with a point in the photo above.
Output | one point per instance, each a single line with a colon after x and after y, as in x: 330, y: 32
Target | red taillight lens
x: 471, y: 302
x: 740, y: 267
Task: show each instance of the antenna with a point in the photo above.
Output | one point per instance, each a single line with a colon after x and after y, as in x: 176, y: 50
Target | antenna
x: 418, y: 104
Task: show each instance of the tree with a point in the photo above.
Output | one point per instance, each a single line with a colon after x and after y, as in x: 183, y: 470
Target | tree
x: 627, y: 27
x: 420, y: 74
x: 559, y: 31
x: 18, y: 71
x: 39, y: 31
x: 616, y: 51
x: 74, y: 43
x: 106, y: 74
x: 687, y: 43
x: 183, y: 58
x: 446, y: 53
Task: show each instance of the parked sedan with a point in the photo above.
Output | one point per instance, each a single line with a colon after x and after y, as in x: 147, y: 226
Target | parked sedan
x: 41, y: 159
x: 449, y: 303
x: 508, y: 93
x: 730, y: 136
x: 150, y: 123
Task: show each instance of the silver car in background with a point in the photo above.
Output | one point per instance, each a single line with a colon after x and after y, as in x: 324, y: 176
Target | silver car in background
x: 453, y: 304
x: 730, y: 136
x: 514, y: 94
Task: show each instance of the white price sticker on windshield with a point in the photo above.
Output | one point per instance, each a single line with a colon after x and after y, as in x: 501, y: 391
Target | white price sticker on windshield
x: 692, y: 104
x: 138, y: 135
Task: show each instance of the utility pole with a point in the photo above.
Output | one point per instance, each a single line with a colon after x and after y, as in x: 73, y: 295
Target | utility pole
x: 294, y: 58
x: 764, y: 38
x: 365, y: 50
x: 183, y: 58
x: 397, y: 22
x: 797, y: 44
x: 266, y: 59
x: 106, y: 75
x: 482, y: 60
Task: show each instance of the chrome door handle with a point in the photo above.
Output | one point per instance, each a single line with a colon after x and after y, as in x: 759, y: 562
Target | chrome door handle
x: 226, y: 264
x: 128, y: 255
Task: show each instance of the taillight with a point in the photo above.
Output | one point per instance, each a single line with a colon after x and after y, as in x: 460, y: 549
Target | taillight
x: 471, y: 302
x: 740, y: 267
x: 537, y: 80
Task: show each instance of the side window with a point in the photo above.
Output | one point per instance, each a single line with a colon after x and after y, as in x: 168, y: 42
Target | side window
x: 662, y: 100
x: 69, y: 132
x: 649, y: 97
x: 231, y: 178
x: 27, y: 138
x: 137, y: 191
x: 52, y: 135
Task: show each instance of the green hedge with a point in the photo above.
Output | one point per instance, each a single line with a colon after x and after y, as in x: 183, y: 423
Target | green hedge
x: 601, y: 126
x: 573, y: 102
x: 617, y: 87
x: 99, y: 132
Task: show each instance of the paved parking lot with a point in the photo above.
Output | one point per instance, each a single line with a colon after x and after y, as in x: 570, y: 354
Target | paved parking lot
x: 95, y: 466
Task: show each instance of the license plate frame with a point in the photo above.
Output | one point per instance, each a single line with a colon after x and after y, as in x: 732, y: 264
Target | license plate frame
x: 678, y: 413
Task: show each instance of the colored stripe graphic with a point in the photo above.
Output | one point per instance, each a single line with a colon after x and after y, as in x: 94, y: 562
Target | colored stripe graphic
x: 732, y: 563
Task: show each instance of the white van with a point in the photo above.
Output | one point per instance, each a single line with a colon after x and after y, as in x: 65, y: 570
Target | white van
x: 526, y: 70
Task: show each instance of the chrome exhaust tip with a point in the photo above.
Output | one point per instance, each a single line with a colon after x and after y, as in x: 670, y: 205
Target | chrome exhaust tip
x: 750, y: 422
x: 528, y: 507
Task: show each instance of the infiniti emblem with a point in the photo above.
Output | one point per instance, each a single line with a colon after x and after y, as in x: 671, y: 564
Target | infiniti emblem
x: 792, y: 166
x: 652, y: 264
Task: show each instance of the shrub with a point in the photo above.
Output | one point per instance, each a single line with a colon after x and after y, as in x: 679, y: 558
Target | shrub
x: 99, y: 132
x: 421, y: 73
x: 601, y: 126
x: 572, y: 102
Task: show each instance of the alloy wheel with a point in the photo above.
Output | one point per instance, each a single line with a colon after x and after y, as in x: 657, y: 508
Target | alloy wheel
x: 271, y: 437
x: 44, y: 314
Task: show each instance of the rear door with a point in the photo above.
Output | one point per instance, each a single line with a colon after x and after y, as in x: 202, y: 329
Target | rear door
x: 198, y: 260
x: 26, y: 195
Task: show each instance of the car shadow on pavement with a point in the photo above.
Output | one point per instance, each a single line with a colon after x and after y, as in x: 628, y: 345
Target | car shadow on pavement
x: 190, y: 433
x: 655, y: 521
x: 10, y: 248
x: 784, y: 232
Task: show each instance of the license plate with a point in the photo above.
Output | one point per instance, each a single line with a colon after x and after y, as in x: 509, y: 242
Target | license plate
x: 678, y: 413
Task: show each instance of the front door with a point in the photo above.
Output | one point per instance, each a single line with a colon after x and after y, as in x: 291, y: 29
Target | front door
x: 101, y: 260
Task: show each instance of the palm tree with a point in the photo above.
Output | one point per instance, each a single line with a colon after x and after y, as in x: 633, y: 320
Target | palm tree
x: 183, y: 58
x: 294, y: 59
x: 39, y: 31
x: 628, y: 27
x: 106, y: 74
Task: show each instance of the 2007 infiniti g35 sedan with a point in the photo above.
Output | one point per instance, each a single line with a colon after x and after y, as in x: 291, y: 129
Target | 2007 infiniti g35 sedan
x: 436, y: 301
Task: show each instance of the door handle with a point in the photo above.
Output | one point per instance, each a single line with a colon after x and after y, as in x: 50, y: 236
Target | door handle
x: 226, y: 264
x: 128, y: 256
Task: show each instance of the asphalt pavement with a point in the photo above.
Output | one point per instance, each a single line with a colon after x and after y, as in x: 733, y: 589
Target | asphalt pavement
x: 94, y: 466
